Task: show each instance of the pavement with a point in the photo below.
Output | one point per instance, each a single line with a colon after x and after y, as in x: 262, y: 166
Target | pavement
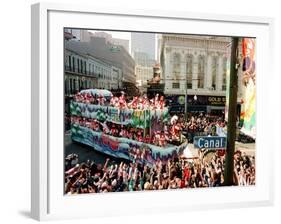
x: 85, y: 152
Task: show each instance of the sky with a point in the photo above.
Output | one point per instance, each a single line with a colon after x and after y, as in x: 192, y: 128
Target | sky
x: 115, y: 34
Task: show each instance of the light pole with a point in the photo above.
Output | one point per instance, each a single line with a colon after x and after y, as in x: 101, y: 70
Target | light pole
x: 185, y: 103
x: 231, y: 123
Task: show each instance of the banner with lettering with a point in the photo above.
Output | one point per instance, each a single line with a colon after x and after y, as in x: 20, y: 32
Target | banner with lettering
x: 248, y: 107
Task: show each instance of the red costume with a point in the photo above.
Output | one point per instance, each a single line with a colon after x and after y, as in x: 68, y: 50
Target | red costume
x: 162, y: 141
x: 134, y: 103
x: 122, y: 101
x: 162, y: 103
x: 101, y: 100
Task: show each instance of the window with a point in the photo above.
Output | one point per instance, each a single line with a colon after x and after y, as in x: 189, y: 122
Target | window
x: 214, y: 72
x: 81, y: 66
x: 224, y: 73
x: 65, y: 87
x: 73, y: 64
x: 69, y: 63
x: 78, y: 65
x: 201, y: 71
x: 74, y: 86
x: 176, y: 65
x: 189, y: 61
x: 175, y: 85
x: 85, y: 68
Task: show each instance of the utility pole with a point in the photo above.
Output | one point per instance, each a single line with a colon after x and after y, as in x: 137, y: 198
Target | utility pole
x: 185, y: 99
x: 232, y: 110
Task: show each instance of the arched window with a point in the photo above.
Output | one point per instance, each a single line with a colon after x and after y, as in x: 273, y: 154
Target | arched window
x: 189, y: 65
x: 176, y: 65
x: 201, y: 71
x: 224, y: 73
x: 214, y: 71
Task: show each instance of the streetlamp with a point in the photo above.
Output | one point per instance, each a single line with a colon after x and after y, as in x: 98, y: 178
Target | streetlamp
x: 185, y: 103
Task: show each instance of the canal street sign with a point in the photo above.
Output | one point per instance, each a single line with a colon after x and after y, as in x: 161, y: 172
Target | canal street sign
x: 212, y: 142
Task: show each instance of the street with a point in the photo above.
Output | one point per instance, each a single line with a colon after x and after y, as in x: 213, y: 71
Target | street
x: 85, y: 152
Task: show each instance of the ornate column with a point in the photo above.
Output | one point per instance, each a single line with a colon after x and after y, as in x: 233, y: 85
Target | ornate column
x: 219, y: 73
x: 195, y: 71
x: 209, y: 71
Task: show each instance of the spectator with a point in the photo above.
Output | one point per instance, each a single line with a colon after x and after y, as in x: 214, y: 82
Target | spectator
x: 90, y: 177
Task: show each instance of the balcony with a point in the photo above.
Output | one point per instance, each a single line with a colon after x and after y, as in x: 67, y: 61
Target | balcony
x: 76, y: 72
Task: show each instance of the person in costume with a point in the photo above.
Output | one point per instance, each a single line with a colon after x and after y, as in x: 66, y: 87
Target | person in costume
x: 122, y: 101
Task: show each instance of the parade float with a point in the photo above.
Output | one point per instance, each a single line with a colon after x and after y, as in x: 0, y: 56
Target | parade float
x: 140, y: 130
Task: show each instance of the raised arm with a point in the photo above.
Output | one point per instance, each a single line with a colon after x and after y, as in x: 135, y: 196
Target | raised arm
x: 105, y: 164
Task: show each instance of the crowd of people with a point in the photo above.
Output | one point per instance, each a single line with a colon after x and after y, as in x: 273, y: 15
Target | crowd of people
x: 122, y: 102
x: 159, y: 138
x: 90, y: 177
x: 201, y: 124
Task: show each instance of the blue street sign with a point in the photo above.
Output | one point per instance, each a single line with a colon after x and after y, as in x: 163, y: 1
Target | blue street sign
x: 212, y: 142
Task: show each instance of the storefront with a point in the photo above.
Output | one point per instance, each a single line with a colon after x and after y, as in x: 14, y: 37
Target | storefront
x: 216, y: 105
x: 196, y: 103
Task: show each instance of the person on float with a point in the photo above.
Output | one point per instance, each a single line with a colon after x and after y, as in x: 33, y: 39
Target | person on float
x: 141, y: 103
x: 134, y: 103
x: 166, y: 133
x: 156, y: 101
x: 140, y: 135
x: 101, y: 100
x: 146, y: 102
x: 87, y: 98
x: 162, y: 140
x: 161, y: 103
x: 122, y: 101
x: 157, y: 138
x: 175, y: 130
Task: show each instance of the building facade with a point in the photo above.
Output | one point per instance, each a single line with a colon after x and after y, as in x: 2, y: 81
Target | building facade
x: 108, y: 37
x: 78, y: 34
x: 85, y: 71
x: 143, y: 70
x: 196, y: 66
x: 143, y: 42
x: 143, y: 52
x: 111, y: 64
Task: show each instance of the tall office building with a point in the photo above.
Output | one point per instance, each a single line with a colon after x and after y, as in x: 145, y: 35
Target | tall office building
x: 143, y: 52
x: 143, y: 42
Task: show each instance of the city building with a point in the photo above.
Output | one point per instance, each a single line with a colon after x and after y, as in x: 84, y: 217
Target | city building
x: 77, y: 34
x: 83, y: 71
x: 196, y: 66
x: 117, y: 62
x: 85, y: 36
x: 144, y: 70
x: 108, y: 37
x: 143, y: 42
x: 143, y: 52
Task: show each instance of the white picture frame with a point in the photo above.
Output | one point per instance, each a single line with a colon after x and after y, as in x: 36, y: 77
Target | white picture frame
x: 48, y: 201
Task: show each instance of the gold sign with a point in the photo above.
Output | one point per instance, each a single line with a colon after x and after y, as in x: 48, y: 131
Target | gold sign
x: 216, y: 100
